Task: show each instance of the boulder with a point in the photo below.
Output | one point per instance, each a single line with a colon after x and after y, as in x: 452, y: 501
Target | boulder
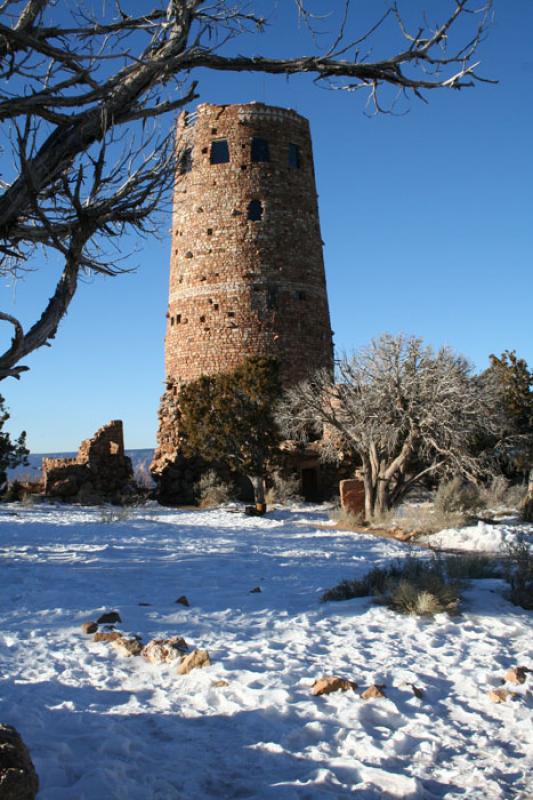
x: 164, y: 651
x: 18, y: 779
x: 128, y: 647
x: 499, y: 695
x: 516, y: 675
x: 376, y: 690
x: 89, y: 627
x: 183, y: 601
x: 332, y: 683
x: 109, y: 618
x: 195, y: 660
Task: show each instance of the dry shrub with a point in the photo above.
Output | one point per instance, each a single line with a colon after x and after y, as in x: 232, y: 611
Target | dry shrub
x: 212, y: 491
x: 457, y: 496
x: 519, y: 573
x: 284, y: 490
x: 428, y: 519
x: 501, y: 494
x: 471, y: 566
x: 411, y: 586
x: 342, y: 517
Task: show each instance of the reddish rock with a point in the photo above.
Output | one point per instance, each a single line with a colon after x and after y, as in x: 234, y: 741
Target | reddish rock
x: 183, y: 601
x: 18, y: 779
x: 89, y: 627
x: 516, y: 675
x: 499, y: 695
x: 376, y: 690
x: 332, y: 683
x: 219, y: 684
x: 255, y: 590
x: 107, y: 636
x: 163, y: 651
x: 127, y: 647
x: 195, y: 660
x: 352, y: 494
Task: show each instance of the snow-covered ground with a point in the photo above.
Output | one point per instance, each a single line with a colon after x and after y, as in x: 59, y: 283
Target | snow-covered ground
x: 104, y: 727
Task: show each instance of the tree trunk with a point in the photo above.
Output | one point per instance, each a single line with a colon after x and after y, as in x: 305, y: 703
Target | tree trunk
x: 258, y: 483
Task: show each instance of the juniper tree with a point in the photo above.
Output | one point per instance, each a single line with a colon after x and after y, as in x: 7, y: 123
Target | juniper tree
x: 12, y: 452
x: 229, y: 418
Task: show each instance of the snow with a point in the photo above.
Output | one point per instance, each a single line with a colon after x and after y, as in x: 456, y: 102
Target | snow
x: 482, y: 537
x: 104, y: 727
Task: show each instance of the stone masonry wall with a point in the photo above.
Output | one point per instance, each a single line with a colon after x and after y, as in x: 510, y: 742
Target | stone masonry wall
x: 246, y: 272
x: 100, y: 469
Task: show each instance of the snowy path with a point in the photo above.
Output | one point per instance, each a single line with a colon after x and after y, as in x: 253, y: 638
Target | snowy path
x: 102, y: 727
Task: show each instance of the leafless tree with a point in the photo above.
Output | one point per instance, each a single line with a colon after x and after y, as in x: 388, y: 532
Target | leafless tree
x: 403, y: 411
x: 81, y: 94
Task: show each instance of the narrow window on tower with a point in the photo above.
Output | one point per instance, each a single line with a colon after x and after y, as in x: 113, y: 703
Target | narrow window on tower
x: 185, y: 161
x: 255, y: 211
x: 260, y: 150
x: 294, y: 156
x: 219, y: 151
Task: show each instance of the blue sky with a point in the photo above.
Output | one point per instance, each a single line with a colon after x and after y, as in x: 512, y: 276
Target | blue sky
x: 426, y: 217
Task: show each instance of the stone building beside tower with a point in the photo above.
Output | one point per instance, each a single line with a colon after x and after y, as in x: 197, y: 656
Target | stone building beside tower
x: 246, y: 270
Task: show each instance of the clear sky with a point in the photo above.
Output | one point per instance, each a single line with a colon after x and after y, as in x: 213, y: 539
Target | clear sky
x: 427, y: 220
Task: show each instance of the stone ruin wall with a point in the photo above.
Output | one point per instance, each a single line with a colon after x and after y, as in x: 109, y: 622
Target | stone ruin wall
x: 242, y: 287
x: 100, y: 469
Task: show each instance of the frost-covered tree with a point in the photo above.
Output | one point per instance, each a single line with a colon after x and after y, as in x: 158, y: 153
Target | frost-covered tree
x: 400, y: 409
x: 12, y: 452
x: 83, y: 86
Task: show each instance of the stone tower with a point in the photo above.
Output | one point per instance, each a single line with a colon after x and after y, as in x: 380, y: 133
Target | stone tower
x: 246, y: 269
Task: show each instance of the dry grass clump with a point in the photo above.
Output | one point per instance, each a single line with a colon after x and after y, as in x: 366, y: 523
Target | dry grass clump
x: 343, y: 518
x: 212, y: 491
x: 284, y: 490
x: 457, y: 496
x: 411, y: 586
x: 519, y: 573
x: 471, y: 566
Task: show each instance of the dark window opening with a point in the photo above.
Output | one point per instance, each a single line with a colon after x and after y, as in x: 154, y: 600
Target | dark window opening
x: 172, y: 320
x: 255, y: 210
x: 230, y: 314
x: 301, y: 295
x: 260, y: 150
x: 210, y: 231
x: 294, y: 156
x: 215, y: 306
x: 178, y: 319
x: 272, y: 297
x: 185, y: 161
x: 219, y: 151
x: 202, y: 318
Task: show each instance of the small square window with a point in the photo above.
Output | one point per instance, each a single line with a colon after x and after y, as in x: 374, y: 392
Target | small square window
x: 219, y: 151
x: 260, y: 150
x: 294, y: 156
x: 255, y: 211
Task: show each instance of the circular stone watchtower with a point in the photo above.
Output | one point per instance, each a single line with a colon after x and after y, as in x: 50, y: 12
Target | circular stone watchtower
x: 246, y: 270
